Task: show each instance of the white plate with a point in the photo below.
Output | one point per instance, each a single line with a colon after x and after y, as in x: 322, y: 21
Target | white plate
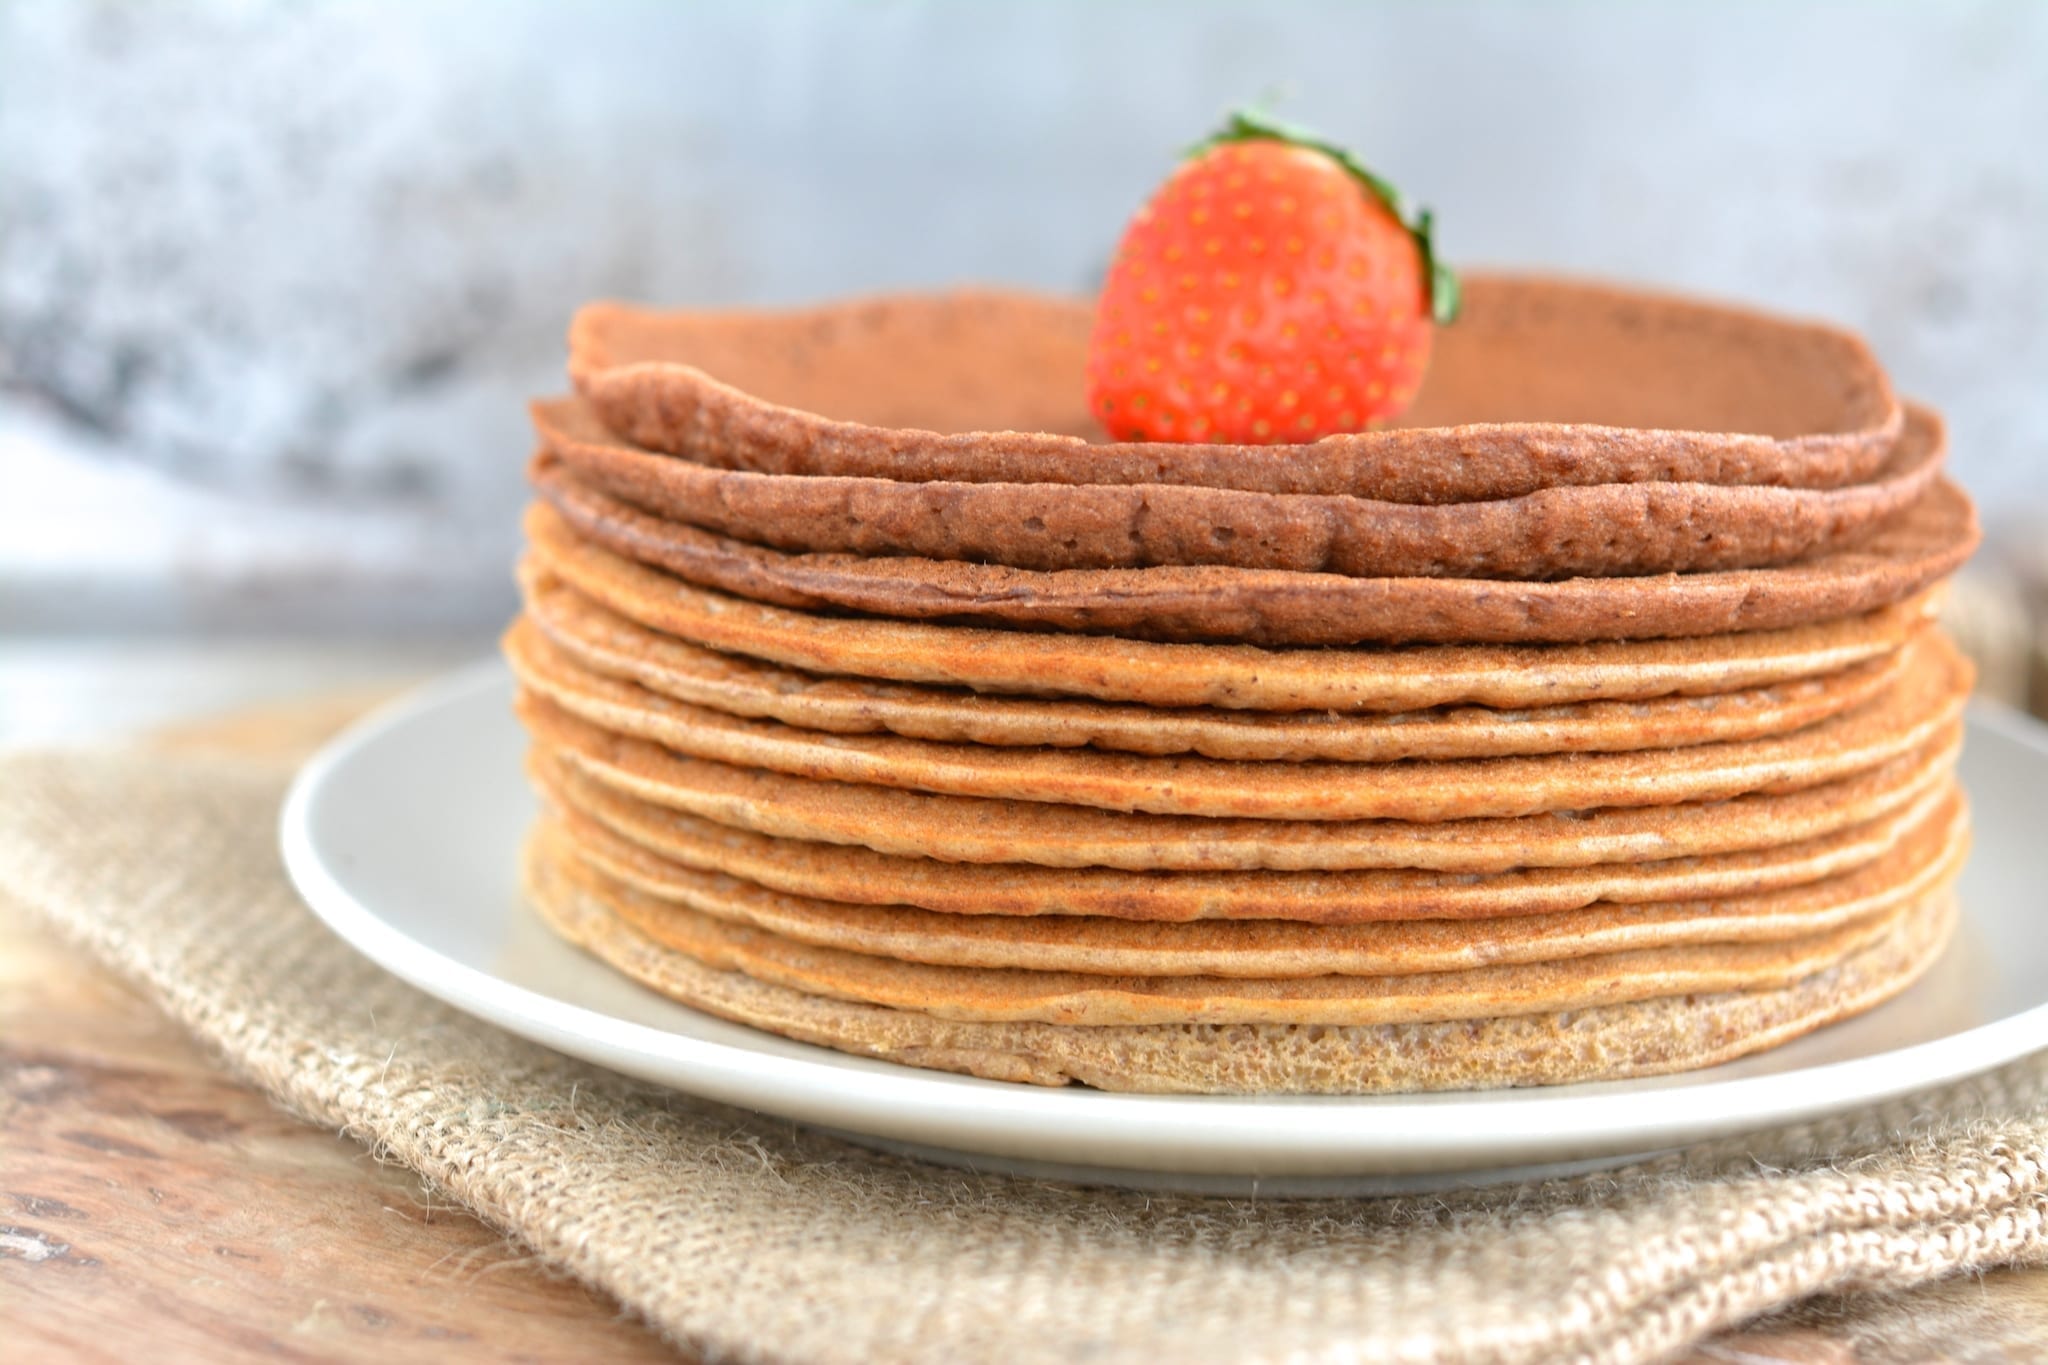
x: 402, y: 835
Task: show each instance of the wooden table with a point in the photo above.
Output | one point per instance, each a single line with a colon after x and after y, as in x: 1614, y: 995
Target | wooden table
x: 153, y: 1208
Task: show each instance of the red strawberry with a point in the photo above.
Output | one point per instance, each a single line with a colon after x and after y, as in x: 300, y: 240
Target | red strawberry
x: 1270, y: 291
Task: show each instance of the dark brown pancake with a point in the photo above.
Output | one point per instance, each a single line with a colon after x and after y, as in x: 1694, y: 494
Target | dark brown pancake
x: 1596, y: 530
x: 1271, y: 607
x: 1542, y: 383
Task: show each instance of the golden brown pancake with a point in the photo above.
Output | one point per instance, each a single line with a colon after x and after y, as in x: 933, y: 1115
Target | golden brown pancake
x: 1599, y: 529
x: 1007, y: 995
x: 816, y: 827
x: 606, y: 643
x: 1925, y: 855
x: 1651, y: 1037
x: 860, y: 875
x: 1922, y: 545
x: 1541, y: 384
x: 1227, y: 676
x: 1927, y: 699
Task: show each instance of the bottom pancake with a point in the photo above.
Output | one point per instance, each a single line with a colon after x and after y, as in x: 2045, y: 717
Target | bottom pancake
x: 1646, y: 1037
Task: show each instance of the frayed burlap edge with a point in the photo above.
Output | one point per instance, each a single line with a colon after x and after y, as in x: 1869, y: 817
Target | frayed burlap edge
x: 748, y: 1239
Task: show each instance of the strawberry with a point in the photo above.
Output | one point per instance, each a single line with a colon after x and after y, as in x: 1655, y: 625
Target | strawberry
x: 1270, y: 291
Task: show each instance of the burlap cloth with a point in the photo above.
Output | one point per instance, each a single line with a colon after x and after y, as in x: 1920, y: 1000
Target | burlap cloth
x: 745, y: 1238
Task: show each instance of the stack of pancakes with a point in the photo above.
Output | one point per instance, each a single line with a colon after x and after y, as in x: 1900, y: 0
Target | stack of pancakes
x: 1592, y: 724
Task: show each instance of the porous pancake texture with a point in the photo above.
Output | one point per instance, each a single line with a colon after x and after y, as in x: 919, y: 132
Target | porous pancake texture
x: 1598, y: 529
x: 1588, y: 724
x: 1283, y: 607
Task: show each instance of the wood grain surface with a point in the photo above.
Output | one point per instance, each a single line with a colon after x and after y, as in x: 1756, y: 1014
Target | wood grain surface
x: 153, y: 1208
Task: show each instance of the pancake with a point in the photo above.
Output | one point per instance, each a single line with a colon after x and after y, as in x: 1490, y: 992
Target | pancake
x: 606, y: 643
x: 951, y: 829
x: 1007, y: 995
x: 1671, y: 1033
x: 1542, y: 383
x: 1600, y: 529
x: 1585, y: 725
x: 1926, y: 543
x: 1227, y: 676
x: 1925, y: 855
x: 1927, y: 698
x: 859, y: 875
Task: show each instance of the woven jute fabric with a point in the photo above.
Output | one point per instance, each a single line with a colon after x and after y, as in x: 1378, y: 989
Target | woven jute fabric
x: 746, y: 1238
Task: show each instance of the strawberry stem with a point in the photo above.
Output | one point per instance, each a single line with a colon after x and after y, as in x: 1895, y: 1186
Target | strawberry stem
x: 1439, y: 281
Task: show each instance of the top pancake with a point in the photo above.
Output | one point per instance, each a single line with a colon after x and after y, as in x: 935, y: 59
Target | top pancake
x: 1541, y: 383
x: 1598, y: 530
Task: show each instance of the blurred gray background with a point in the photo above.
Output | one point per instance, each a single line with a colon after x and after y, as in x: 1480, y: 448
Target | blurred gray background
x: 275, y: 278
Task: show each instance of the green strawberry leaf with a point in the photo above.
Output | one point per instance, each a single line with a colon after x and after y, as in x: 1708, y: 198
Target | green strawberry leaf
x: 1445, y: 296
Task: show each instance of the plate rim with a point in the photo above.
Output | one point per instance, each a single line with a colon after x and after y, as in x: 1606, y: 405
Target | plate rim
x: 1234, y: 1135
